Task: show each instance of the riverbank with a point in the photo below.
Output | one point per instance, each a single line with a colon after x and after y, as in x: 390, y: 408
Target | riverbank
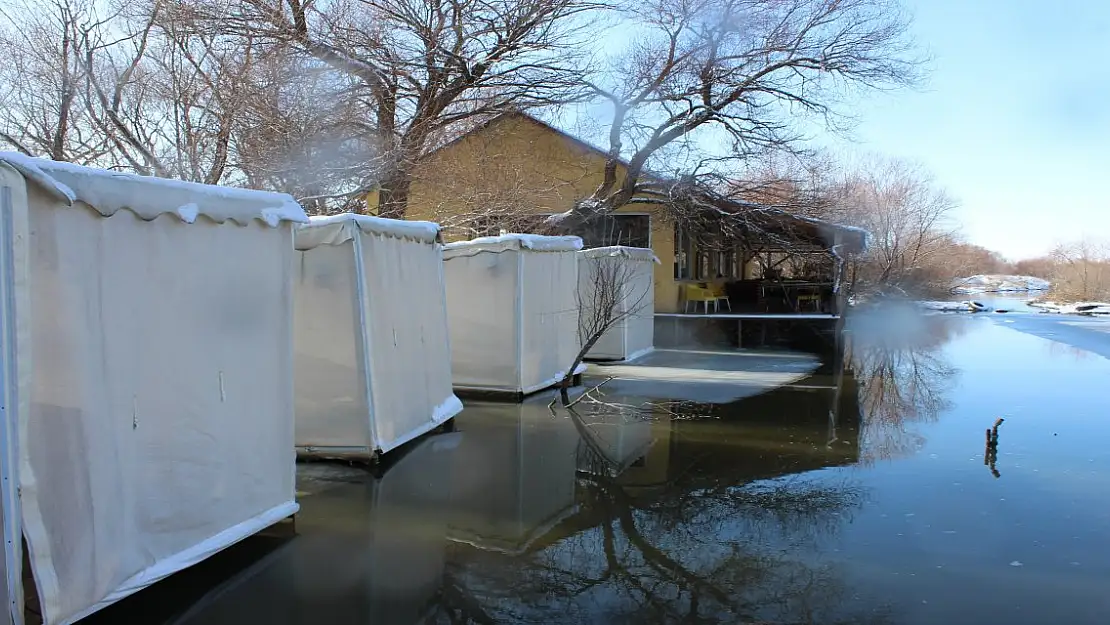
x: 1072, y: 308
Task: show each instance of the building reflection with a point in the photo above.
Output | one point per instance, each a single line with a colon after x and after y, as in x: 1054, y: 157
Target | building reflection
x: 805, y: 426
x: 657, y: 483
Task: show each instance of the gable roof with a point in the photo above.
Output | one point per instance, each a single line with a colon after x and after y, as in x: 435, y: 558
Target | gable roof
x: 521, y: 115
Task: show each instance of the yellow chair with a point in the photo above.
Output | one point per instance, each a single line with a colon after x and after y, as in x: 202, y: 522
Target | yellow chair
x: 811, y: 299
x: 719, y: 292
x: 695, y: 294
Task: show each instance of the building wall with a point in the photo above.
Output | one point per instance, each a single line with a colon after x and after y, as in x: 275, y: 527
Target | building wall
x: 517, y: 165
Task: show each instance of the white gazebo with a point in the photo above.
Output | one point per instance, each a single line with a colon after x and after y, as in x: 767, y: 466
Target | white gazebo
x: 623, y: 278
x: 373, y: 361
x: 147, y: 377
x: 512, y: 308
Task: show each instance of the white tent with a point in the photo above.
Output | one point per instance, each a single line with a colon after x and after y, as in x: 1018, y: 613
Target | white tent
x: 147, y: 368
x: 512, y: 309
x: 602, y: 270
x: 373, y: 362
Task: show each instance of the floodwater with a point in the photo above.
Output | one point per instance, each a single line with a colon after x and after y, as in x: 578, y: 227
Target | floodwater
x: 880, y: 496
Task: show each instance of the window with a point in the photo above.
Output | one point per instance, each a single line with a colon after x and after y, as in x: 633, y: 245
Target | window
x: 695, y: 262
x: 682, y: 254
x: 618, y: 229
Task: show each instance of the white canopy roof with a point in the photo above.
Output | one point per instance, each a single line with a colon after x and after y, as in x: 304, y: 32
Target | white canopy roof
x: 533, y: 242
x: 338, y: 229
x: 632, y: 253
x: 149, y: 197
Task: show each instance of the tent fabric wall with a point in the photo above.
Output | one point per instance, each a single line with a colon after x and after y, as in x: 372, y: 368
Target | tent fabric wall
x: 483, y: 313
x: 14, y: 345
x: 549, y: 323
x: 633, y: 335
x: 373, y: 355
x: 332, y: 401
x: 158, y: 374
x: 512, y: 311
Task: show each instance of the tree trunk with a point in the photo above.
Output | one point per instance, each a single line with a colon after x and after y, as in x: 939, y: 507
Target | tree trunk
x: 393, y: 197
x: 564, y: 384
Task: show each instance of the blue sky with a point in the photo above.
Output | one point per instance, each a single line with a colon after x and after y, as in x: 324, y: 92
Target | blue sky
x: 1014, y: 119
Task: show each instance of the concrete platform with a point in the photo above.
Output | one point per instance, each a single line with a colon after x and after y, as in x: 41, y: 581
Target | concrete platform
x: 711, y: 376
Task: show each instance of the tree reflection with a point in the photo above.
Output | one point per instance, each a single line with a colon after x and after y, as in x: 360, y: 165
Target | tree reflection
x: 1057, y: 349
x: 903, y: 378
x: 695, y: 548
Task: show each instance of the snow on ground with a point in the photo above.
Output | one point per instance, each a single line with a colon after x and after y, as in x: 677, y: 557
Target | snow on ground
x: 966, y: 306
x: 1077, y: 308
x: 995, y: 283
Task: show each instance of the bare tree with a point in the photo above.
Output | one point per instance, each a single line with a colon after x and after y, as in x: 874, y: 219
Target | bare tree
x: 610, y: 295
x: 744, y: 69
x: 1082, y: 271
x: 907, y: 216
x: 914, y: 245
x: 422, y: 67
x: 42, y: 78
x: 140, y: 87
x: 1039, y: 267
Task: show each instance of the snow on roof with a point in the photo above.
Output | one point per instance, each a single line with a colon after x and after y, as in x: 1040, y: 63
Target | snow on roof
x: 31, y: 172
x: 149, y: 197
x: 865, y: 235
x: 533, y: 242
x: 338, y: 229
x: 633, y: 253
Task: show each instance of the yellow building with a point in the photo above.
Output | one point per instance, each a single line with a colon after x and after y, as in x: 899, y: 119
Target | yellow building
x: 514, y: 170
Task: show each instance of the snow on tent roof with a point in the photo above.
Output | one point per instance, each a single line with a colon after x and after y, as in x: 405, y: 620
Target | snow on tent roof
x: 338, y: 229
x: 149, y: 197
x: 533, y: 242
x: 633, y: 253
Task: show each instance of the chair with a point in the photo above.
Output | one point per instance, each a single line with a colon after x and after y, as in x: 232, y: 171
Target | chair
x: 804, y: 299
x: 718, y: 291
x: 695, y: 294
x: 815, y: 300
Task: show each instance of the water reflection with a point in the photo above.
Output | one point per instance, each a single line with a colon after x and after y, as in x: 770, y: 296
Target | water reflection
x: 990, y: 456
x: 366, y: 553
x: 513, y: 477
x: 903, y: 377
x: 1056, y: 349
x: 681, y: 512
